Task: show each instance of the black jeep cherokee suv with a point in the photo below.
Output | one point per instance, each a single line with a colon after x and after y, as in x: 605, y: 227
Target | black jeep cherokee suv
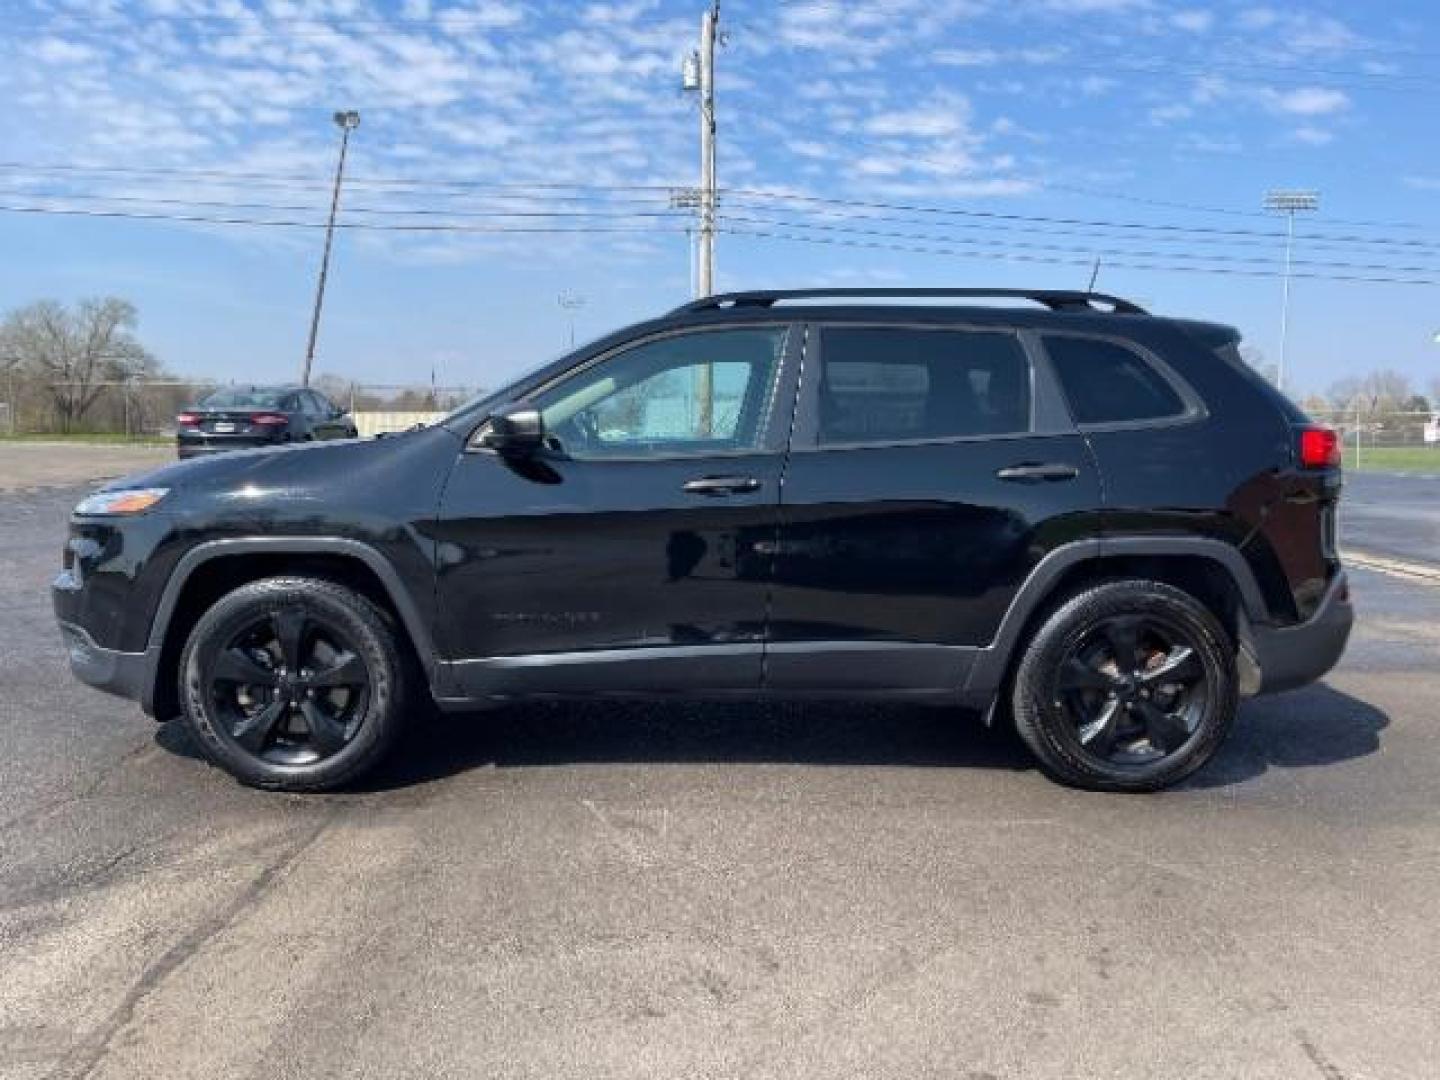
x: 1096, y: 522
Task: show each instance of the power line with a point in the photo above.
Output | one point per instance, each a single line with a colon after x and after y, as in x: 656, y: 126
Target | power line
x: 248, y: 176
x: 394, y: 211
x: 1082, y: 232
x: 620, y: 209
x: 1027, y: 246
x: 996, y: 215
x: 204, y: 219
x: 577, y: 191
x: 942, y: 247
x: 1083, y: 262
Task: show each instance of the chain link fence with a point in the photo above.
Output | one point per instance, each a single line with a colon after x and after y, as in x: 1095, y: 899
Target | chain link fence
x: 133, y: 408
x: 1384, y: 430
x: 147, y: 407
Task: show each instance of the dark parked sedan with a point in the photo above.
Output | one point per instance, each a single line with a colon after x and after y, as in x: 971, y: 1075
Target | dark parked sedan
x: 237, y: 418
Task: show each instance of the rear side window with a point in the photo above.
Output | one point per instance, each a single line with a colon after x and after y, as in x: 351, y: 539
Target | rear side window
x: 1110, y: 384
x: 892, y: 384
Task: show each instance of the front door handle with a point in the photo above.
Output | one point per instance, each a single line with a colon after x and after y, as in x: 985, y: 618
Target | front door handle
x: 1032, y: 473
x: 722, y: 485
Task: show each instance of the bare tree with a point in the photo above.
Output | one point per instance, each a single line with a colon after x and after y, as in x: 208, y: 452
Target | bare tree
x: 1379, y: 391
x: 1254, y: 357
x: 73, y: 353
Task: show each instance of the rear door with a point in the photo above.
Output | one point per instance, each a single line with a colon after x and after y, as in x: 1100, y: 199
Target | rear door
x: 931, y: 469
x: 632, y: 554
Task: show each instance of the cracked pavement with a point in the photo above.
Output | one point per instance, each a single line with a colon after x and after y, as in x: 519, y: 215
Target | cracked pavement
x: 719, y: 891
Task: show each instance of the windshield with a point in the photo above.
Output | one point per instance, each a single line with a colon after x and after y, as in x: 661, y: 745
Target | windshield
x: 252, y: 397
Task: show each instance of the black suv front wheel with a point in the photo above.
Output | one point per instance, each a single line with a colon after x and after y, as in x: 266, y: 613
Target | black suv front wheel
x: 292, y: 684
x: 1128, y: 686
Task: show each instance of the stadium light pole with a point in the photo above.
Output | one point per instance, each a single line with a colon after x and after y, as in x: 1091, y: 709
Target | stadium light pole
x: 1288, y: 203
x: 570, y: 303
x: 347, y: 122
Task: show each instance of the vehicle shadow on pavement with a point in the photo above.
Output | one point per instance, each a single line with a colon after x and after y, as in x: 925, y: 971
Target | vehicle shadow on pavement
x: 552, y: 734
x: 1303, y: 729
x: 1308, y: 728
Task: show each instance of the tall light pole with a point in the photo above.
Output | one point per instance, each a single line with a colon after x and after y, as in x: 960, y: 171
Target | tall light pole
x: 570, y: 303
x: 1288, y: 203
x: 347, y: 122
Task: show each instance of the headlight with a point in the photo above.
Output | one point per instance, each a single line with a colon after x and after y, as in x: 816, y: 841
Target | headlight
x: 123, y: 501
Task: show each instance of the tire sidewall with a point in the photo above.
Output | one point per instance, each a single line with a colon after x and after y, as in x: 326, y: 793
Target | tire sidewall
x: 365, y: 631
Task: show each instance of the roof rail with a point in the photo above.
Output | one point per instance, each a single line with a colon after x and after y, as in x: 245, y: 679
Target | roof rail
x: 1054, y: 299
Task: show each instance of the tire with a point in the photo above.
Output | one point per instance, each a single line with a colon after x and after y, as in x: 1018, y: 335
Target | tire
x: 314, y: 728
x: 1128, y: 686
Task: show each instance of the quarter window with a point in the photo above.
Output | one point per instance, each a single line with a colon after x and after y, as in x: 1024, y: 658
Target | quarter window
x: 687, y: 395
x: 891, y: 384
x: 1107, y: 383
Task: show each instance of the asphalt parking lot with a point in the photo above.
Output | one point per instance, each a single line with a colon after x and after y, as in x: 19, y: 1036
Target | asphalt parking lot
x: 799, y: 891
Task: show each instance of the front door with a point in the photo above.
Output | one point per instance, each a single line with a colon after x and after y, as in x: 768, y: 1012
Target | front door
x: 932, y: 468
x: 631, y: 554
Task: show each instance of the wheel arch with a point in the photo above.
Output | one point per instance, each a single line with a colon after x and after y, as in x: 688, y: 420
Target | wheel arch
x: 209, y: 570
x: 1213, y: 571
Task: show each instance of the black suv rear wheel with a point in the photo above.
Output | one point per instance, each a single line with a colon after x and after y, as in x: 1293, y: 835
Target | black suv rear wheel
x: 1128, y: 686
x: 292, y: 684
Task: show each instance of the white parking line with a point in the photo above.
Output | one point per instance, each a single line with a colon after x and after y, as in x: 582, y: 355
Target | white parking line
x: 1386, y: 565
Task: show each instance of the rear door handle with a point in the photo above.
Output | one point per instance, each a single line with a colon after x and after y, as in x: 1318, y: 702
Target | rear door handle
x: 722, y: 485
x: 1032, y: 473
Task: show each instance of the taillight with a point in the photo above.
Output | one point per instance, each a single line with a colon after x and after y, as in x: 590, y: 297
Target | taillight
x: 1319, y: 448
x: 265, y: 419
x: 187, y: 419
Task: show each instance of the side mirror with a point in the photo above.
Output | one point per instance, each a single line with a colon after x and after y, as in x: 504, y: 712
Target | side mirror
x: 515, y: 433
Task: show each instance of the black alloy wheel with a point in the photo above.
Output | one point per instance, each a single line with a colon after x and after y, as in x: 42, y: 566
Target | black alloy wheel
x: 288, y: 687
x: 1128, y: 686
x: 1134, y: 687
x: 293, y: 684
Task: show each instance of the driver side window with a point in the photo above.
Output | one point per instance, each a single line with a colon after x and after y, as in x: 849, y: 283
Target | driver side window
x: 692, y: 394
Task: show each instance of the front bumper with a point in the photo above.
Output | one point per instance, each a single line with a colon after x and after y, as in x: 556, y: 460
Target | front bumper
x: 1275, y: 658
x: 127, y: 675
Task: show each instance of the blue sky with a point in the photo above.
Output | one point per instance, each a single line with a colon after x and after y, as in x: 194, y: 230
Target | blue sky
x: 878, y: 142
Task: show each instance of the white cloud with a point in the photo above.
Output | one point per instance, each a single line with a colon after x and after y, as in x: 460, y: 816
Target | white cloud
x: 54, y: 50
x: 1083, y: 7
x: 1313, y: 136
x: 1299, y: 32
x: 1169, y: 114
x: 1308, y: 101
x: 1193, y: 20
x: 947, y: 115
x: 966, y: 57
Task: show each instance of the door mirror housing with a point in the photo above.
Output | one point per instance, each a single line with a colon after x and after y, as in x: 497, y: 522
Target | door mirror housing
x: 517, y: 432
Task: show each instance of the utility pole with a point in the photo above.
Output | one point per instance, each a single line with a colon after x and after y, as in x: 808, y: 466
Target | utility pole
x: 698, y: 74
x: 708, y: 24
x: 347, y: 122
x: 11, y: 363
x: 1288, y: 203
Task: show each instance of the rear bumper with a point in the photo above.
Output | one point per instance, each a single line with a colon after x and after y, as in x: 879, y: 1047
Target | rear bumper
x: 127, y: 675
x: 1283, y: 658
x: 218, y: 444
